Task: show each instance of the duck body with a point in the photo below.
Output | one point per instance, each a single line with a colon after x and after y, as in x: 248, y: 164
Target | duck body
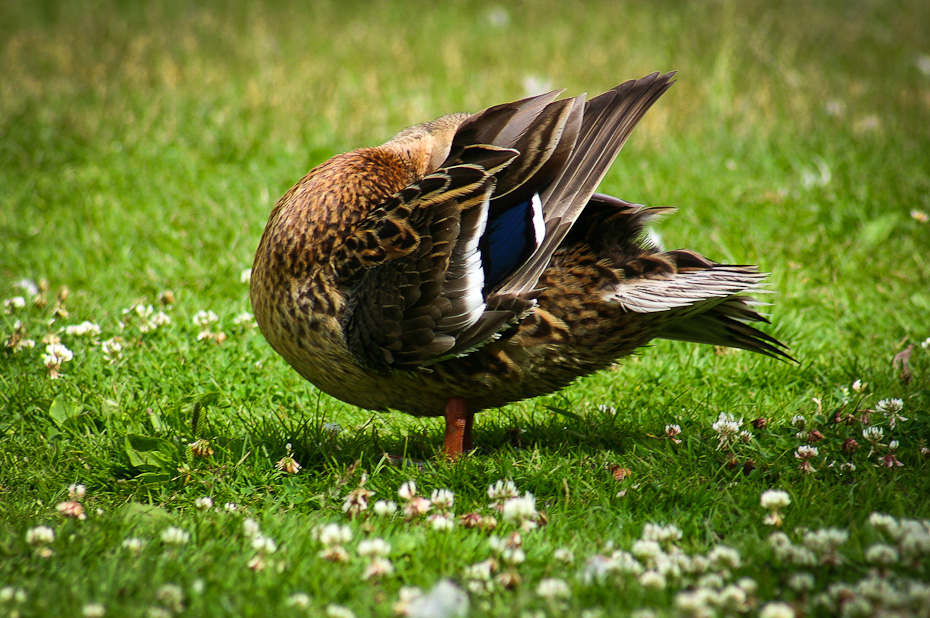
x: 468, y: 263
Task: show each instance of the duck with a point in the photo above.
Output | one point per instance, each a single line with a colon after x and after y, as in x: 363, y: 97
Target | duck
x: 469, y: 262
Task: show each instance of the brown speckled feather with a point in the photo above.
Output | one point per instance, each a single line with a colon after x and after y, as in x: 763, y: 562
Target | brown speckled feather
x: 469, y: 258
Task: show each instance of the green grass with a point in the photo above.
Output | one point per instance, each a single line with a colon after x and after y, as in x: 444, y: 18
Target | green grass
x: 142, y: 146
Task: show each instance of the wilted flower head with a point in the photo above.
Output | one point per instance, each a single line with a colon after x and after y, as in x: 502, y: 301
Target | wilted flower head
x: 287, y: 463
x: 72, y: 509
x: 356, y: 501
x: 201, y: 448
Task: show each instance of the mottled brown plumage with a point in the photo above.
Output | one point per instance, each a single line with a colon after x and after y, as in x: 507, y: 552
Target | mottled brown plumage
x: 467, y: 263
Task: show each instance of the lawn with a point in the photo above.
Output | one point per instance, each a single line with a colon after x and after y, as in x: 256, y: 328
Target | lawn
x: 166, y: 462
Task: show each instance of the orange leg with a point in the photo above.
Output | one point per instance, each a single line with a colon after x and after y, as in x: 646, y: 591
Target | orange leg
x: 458, y: 427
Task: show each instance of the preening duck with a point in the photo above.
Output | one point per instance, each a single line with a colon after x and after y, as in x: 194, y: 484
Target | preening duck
x: 468, y: 263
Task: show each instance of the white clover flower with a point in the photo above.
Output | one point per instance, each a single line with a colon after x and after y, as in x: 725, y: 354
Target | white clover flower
x: 891, y: 408
x: 17, y: 302
x: 250, y: 528
x: 244, y: 319
x: 646, y: 550
x: 40, y: 535
x: 230, y: 507
x: 777, y: 609
x: 520, y: 509
x: 405, y: 596
x: 339, y: 611
x: 204, y: 503
x: 385, y: 508
x: 333, y: 429
x: 442, y: 499
x: 171, y: 595
x: 417, y: 506
x: 264, y: 545
x: 245, y: 276
x: 112, y: 349
x: 133, y: 544
x: 726, y: 428
x: 480, y: 570
x: 798, y: 421
x: 378, y: 567
x: 745, y: 436
x: 748, y: 584
x: 859, y: 386
x: 407, y: 491
x: 93, y: 610
x: 441, y: 523
x: 925, y: 344
x: 552, y: 588
x: 732, y: 599
x: 513, y: 555
x: 76, y: 491
x: 724, y: 557
x: 28, y: 286
x: 204, y: 318
x: 172, y: 535
x: 334, y: 534
x: 873, y: 434
x: 159, y: 319
x: 825, y: 541
x: 882, y: 554
x: 84, y: 329
x: 300, y: 600
x: 801, y: 582
x: 774, y: 499
x: 806, y: 452
x: 55, y: 355
x: 502, y: 490
x: 374, y: 548
x: 661, y: 534
x: 653, y: 580
x: 564, y: 554
x: 445, y: 599
x: 698, y: 602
